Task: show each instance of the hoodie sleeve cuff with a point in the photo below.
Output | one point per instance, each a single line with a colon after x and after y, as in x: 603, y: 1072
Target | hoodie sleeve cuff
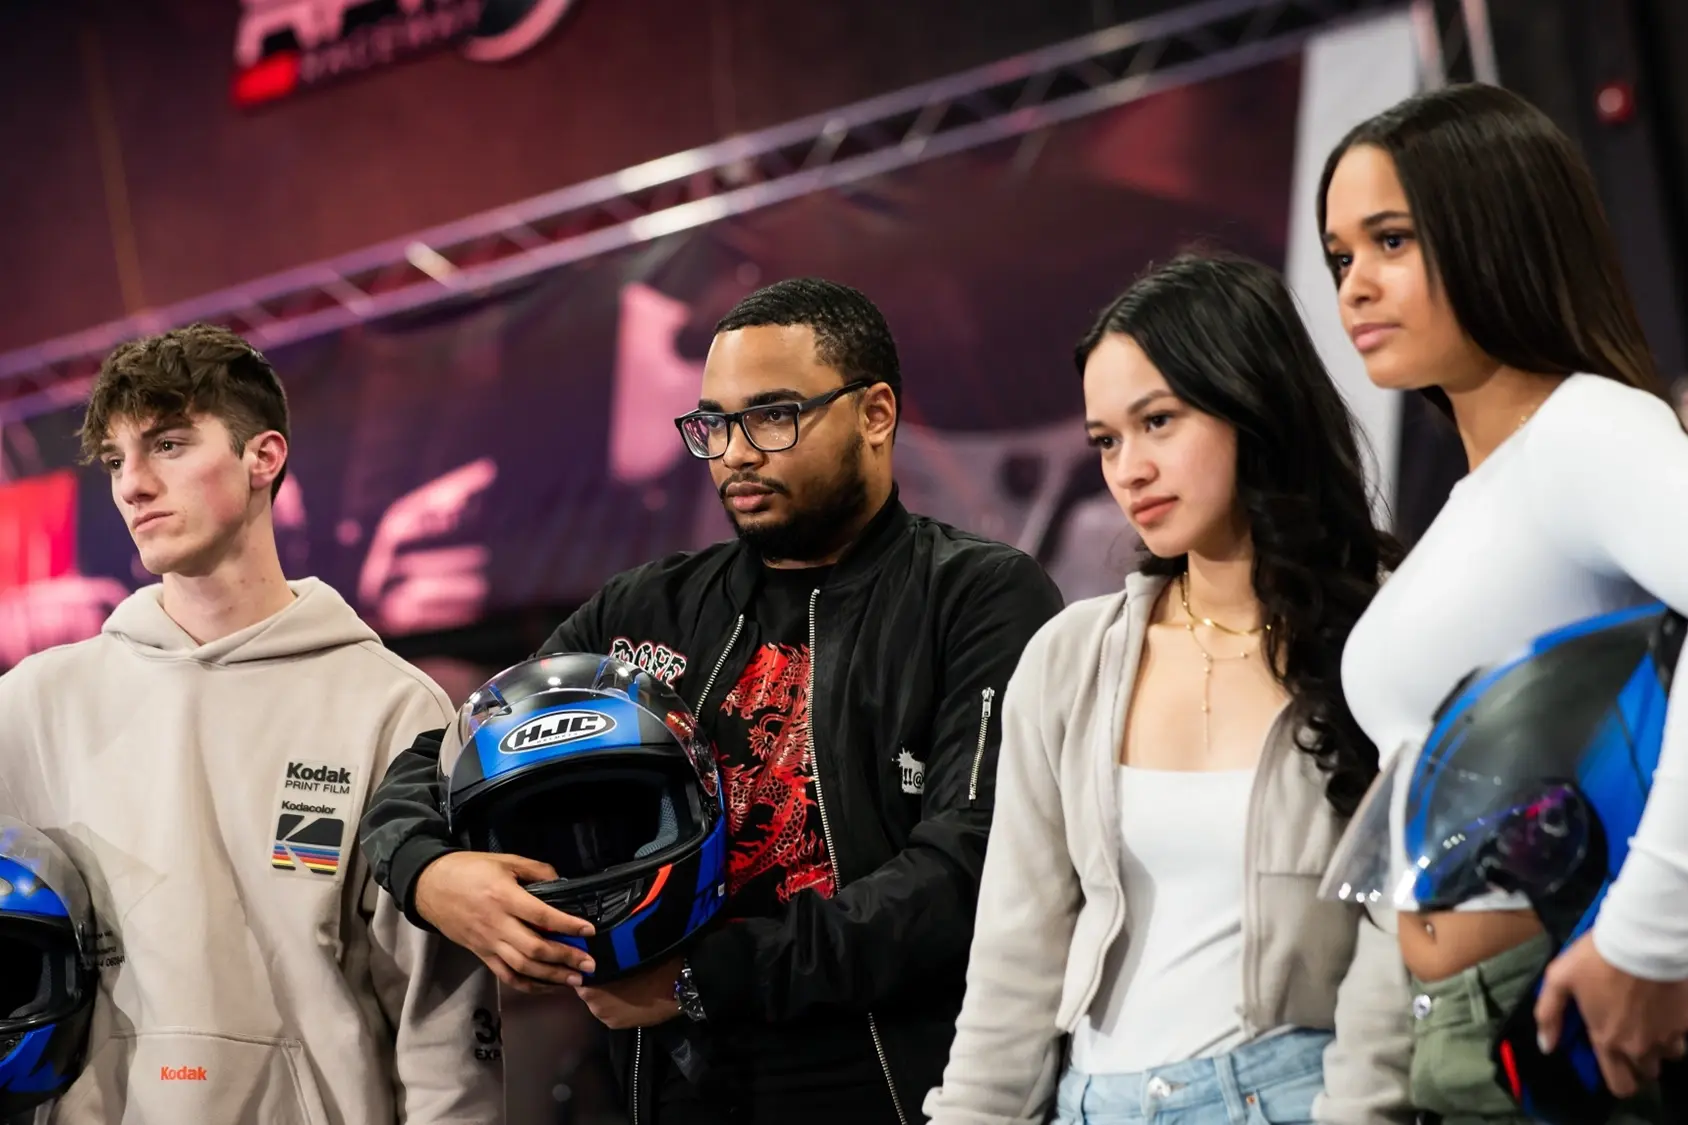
x: 406, y: 870
x: 722, y: 964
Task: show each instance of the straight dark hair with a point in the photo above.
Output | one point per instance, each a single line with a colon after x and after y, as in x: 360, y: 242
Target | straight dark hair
x: 1225, y: 334
x: 1512, y: 231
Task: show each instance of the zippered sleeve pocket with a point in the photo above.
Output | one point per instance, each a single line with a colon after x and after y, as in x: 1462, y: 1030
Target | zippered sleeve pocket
x: 987, y: 702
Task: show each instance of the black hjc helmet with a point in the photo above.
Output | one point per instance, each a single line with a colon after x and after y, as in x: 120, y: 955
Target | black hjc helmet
x: 595, y: 767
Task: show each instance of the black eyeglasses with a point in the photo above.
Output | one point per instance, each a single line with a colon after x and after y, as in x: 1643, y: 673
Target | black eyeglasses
x: 771, y: 428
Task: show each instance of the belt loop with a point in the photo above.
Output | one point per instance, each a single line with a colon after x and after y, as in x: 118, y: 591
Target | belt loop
x: 1477, y: 996
x: 1225, y: 1069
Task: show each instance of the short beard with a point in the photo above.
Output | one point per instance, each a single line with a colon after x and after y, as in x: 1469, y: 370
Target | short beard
x: 821, y: 528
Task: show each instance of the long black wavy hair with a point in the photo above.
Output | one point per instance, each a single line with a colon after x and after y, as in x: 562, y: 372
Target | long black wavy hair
x: 1225, y: 334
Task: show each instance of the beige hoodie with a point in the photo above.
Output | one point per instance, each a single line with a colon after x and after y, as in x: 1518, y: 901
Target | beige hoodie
x: 250, y: 972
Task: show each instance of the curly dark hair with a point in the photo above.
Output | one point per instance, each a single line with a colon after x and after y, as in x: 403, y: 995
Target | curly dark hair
x: 851, y: 335
x: 196, y: 369
x: 1225, y: 334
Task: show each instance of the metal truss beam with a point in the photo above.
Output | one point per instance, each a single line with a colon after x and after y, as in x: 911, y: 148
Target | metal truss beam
x: 1455, y: 42
x: 477, y: 255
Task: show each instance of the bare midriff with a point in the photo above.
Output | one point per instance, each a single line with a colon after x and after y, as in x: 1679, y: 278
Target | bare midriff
x: 1441, y: 944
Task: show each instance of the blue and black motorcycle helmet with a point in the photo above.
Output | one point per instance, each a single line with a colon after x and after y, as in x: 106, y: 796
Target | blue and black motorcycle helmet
x: 47, y: 974
x: 595, y: 767
x: 1531, y: 781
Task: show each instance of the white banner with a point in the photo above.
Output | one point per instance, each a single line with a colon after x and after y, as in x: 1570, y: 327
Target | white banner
x: 1347, y: 76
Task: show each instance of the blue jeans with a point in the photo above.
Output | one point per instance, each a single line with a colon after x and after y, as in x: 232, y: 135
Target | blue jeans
x: 1269, y: 1082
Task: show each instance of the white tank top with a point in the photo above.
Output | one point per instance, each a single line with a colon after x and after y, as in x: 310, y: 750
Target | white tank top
x: 1172, y: 987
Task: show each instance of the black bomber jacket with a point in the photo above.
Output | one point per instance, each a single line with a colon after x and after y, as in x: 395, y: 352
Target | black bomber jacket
x: 913, y: 637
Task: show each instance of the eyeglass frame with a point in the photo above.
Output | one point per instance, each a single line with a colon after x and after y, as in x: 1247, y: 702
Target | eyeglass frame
x: 731, y: 418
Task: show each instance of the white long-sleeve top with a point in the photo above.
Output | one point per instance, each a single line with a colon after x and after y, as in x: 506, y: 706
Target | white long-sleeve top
x: 1582, y: 511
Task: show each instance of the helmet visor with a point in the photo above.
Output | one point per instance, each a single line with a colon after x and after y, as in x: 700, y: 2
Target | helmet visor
x: 596, y: 819
x: 38, y: 878
x: 1369, y: 866
x: 1431, y: 835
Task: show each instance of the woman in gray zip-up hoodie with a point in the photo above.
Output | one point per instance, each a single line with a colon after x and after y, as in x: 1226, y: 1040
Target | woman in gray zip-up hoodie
x: 1178, y: 761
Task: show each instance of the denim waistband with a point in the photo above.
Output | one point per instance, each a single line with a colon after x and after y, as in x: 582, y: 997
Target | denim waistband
x: 1229, y: 1078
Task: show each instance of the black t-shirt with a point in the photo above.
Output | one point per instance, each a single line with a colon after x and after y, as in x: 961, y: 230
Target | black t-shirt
x: 821, y: 1070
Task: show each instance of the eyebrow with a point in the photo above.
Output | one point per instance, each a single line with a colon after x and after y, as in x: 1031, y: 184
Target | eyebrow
x: 151, y: 433
x: 1375, y: 220
x: 760, y: 398
x: 1137, y: 407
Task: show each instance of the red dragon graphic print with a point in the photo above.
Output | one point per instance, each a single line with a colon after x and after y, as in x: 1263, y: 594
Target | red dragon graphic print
x: 768, y: 795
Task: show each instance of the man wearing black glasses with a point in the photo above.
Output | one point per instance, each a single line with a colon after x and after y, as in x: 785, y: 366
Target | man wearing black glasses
x: 847, y: 660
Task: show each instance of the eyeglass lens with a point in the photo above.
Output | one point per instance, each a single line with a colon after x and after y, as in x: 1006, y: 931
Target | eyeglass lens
x: 769, y: 428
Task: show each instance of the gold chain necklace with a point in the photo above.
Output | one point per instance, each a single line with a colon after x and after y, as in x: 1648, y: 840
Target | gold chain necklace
x: 1208, y: 658
x: 1523, y: 420
x: 1184, y: 598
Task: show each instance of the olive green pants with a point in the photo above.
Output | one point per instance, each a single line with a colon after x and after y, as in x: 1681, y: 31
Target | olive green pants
x: 1454, y: 1024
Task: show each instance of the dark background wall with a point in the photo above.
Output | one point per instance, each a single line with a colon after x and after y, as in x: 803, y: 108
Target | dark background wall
x: 1660, y: 36
x: 130, y: 180
x: 546, y: 469
x: 1560, y: 55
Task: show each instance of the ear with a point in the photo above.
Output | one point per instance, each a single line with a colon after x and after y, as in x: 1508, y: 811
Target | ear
x: 879, y: 414
x: 266, y: 455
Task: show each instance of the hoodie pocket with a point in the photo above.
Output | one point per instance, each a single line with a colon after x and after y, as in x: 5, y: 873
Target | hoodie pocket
x: 173, y: 1077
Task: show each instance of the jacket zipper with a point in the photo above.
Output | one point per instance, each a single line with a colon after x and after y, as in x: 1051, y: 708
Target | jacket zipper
x: 1251, y: 879
x: 1105, y: 767
x: 703, y: 697
x: 633, y: 1086
x: 832, y: 850
x: 985, y: 698
x: 709, y: 684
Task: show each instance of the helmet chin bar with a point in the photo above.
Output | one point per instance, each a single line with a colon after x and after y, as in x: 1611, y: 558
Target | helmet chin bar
x: 604, y: 906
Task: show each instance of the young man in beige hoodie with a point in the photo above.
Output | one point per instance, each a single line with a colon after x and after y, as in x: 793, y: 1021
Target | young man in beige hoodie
x: 205, y: 760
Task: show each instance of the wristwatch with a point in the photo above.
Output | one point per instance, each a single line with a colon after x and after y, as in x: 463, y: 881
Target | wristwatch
x: 685, y: 994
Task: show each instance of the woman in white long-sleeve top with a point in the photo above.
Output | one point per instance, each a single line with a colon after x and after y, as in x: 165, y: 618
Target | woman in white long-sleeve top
x: 1473, y: 263
x: 1178, y: 762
